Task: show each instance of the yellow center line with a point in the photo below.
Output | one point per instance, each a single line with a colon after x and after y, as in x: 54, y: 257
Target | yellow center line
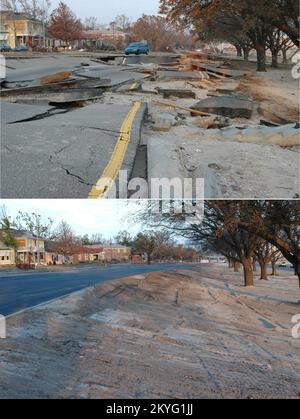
x: 106, y: 181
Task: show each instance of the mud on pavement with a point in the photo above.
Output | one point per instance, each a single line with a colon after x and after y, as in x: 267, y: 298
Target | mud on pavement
x: 192, y: 333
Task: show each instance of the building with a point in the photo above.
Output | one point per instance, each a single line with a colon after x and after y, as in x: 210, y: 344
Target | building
x: 51, y: 256
x: 116, y: 253
x: 30, y: 248
x: 88, y: 254
x: 20, y: 29
x: 112, y: 35
x: 30, y: 251
x: 7, y: 256
x: 96, y: 39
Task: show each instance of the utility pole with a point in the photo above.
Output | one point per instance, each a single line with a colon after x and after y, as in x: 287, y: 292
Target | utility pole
x: 44, y: 23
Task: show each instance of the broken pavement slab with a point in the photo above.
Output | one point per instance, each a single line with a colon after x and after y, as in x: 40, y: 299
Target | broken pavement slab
x: 163, y: 121
x: 14, y: 112
x: 187, y: 75
x: 228, y: 106
x: 180, y: 93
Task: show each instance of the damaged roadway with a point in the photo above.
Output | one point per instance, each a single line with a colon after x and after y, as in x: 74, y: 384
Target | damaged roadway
x: 221, y: 121
x: 63, y: 156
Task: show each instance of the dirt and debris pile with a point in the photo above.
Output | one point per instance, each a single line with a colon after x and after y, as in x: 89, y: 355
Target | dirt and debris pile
x: 186, y: 334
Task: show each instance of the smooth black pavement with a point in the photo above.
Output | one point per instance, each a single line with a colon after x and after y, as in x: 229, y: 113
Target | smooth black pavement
x: 24, y: 291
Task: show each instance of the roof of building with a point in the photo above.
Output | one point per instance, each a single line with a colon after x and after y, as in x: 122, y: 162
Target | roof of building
x: 115, y: 246
x: 18, y: 16
x: 22, y: 234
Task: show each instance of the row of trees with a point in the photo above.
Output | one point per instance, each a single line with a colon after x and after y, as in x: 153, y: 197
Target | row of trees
x: 245, y: 232
x: 38, y: 9
x: 63, y: 24
x: 156, y: 244
x: 272, y: 24
x: 160, y: 33
x: 153, y: 244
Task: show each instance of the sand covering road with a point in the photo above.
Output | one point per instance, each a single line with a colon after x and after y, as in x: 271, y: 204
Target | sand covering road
x: 186, y: 334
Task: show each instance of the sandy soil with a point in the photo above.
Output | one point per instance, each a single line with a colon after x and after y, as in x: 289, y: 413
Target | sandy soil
x: 186, y: 334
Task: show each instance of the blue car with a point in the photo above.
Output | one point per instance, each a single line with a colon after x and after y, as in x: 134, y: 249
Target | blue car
x: 137, y: 49
x: 21, y: 48
x: 5, y: 48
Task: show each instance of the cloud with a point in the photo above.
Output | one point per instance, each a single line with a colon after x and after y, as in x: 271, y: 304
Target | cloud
x: 85, y: 216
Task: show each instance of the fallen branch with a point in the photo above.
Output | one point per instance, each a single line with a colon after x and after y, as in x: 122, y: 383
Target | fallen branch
x: 175, y: 106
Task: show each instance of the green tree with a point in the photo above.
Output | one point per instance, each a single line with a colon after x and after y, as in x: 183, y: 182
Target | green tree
x: 37, y: 226
x: 6, y: 235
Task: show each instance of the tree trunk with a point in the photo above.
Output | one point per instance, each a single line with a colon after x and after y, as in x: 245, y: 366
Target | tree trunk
x: 149, y: 259
x: 274, y: 60
x: 237, y: 266
x: 298, y: 271
x: 254, y: 266
x: 264, y: 270
x: 274, y: 270
x: 261, y: 58
x: 246, y: 54
x: 230, y: 263
x: 248, y: 272
x: 239, y: 51
x: 284, y: 57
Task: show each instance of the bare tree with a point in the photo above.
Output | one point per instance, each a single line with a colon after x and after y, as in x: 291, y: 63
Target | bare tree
x: 91, y: 23
x: 65, y: 241
x: 265, y: 253
x: 123, y: 23
x: 124, y: 238
x: 157, y: 31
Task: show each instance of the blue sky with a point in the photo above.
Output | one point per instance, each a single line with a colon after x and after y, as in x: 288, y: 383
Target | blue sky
x: 107, y: 217
x: 106, y: 11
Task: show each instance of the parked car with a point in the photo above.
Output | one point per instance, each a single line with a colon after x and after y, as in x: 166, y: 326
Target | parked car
x: 21, y: 48
x: 137, y: 49
x: 39, y: 48
x: 5, y: 48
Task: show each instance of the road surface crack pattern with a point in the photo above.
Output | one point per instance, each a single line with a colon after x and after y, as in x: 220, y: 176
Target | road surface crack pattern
x: 48, y: 114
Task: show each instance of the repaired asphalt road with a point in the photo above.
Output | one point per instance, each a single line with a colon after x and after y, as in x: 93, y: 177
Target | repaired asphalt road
x: 24, y: 291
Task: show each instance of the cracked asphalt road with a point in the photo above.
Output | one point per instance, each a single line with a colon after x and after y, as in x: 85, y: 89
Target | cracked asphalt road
x: 63, y: 154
